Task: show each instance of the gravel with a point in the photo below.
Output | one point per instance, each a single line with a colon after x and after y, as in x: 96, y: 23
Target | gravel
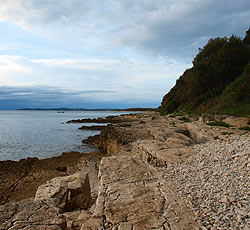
x: 215, y: 183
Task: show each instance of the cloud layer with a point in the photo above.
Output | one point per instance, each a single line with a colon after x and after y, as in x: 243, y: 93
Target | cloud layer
x: 132, y: 50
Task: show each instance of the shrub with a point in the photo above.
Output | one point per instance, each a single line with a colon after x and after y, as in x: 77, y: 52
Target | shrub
x: 219, y: 123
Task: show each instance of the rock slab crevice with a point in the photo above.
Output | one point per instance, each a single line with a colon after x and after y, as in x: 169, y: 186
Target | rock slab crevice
x: 131, y: 196
x: 30, y: 215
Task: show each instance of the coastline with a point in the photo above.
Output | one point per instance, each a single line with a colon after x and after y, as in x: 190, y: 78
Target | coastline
x: 186, y: 161
x: 20, y: 179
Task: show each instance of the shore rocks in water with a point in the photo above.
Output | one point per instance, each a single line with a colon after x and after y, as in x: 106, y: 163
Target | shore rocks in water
x: 20, y: 179
x: 109, y: 119
x: 93, y: 127
x: 68, y: 193
x: 92, y: 140
x: 30, y: 215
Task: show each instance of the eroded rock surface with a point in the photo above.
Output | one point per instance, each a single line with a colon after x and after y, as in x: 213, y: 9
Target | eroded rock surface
x: 159, y: 154
x: 131, y: 196
x: 20, y: 180
x: 30, y: 215
x: 165, y: 173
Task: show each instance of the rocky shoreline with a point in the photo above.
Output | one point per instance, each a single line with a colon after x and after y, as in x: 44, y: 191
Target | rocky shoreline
x: 152, y: 172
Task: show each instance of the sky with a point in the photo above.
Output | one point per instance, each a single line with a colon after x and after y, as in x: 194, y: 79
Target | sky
x: 105, y: 53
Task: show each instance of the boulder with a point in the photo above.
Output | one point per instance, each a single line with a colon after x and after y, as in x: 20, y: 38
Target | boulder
x: 30, y: 215
x: 68, y: 193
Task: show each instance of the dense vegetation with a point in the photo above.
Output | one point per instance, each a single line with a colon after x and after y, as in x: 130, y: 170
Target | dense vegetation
x: 218, y: 82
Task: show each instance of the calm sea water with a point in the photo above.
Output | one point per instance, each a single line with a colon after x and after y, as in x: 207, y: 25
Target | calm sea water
x: 43, y: 134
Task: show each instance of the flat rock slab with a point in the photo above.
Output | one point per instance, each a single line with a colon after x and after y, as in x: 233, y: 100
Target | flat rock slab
x: 30, y: 215
x: 159, y: 153
x: 131, y: 197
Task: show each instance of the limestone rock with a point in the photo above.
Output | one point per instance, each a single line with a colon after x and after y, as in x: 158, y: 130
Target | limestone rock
x: 90, y: 166
x: 113, y: 138
x: 199, y: 132
x: 159, y: 153
x: 76, y: 219
x: 94, y: 223
x: 237, y: 121
x: 131, y: 197
x: 68, y: 193
x: 178, y: 140
x: 30, y: 215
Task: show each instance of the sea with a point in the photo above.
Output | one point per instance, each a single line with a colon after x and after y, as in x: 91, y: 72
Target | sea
x: 43, y: 134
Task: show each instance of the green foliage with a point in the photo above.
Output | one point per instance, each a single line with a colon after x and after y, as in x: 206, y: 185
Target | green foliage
x: 218, y: 63
x: 215, y: 69
x: 184, y: 119
x: 247, y: 128
x: 247, y: 37
x: 219, y: 123
x: 235, y: 99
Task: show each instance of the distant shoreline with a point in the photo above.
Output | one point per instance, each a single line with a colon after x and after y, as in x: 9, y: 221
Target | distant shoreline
x: 83, y: 109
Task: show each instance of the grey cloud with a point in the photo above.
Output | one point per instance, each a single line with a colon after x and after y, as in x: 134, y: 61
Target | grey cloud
x: 35, y: 12
x: 51, y: 97
x: 44, y: 93
x: 174, y: 28
x: 178, y: 28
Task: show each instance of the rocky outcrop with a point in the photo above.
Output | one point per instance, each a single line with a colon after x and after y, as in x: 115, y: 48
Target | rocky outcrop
x: 30, y: 215
x: 115, y: 138
x: 159, y: 154
x: 199, y: 132
x: 20, y: 180
x: 68, y: 193
x: 109, y: 119
x: 92, y: 127
x: 73, y: 195
x: 131, y: 196
x: 164, y: 173
x: 92, y: 140
x: 238, y: 122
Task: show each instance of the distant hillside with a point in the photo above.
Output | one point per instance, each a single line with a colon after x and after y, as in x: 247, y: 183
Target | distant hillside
x: 83, y: 109
x: 218, y: 82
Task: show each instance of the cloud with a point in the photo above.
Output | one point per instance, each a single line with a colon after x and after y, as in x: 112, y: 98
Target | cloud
x: 35, y: 12
x: 42, y: 96
x: 10, y: 65
x: 52, y: 97
x: 164, y: 27
x: 132, y: 50
x: 88, y: 64
x: 177, y: 28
